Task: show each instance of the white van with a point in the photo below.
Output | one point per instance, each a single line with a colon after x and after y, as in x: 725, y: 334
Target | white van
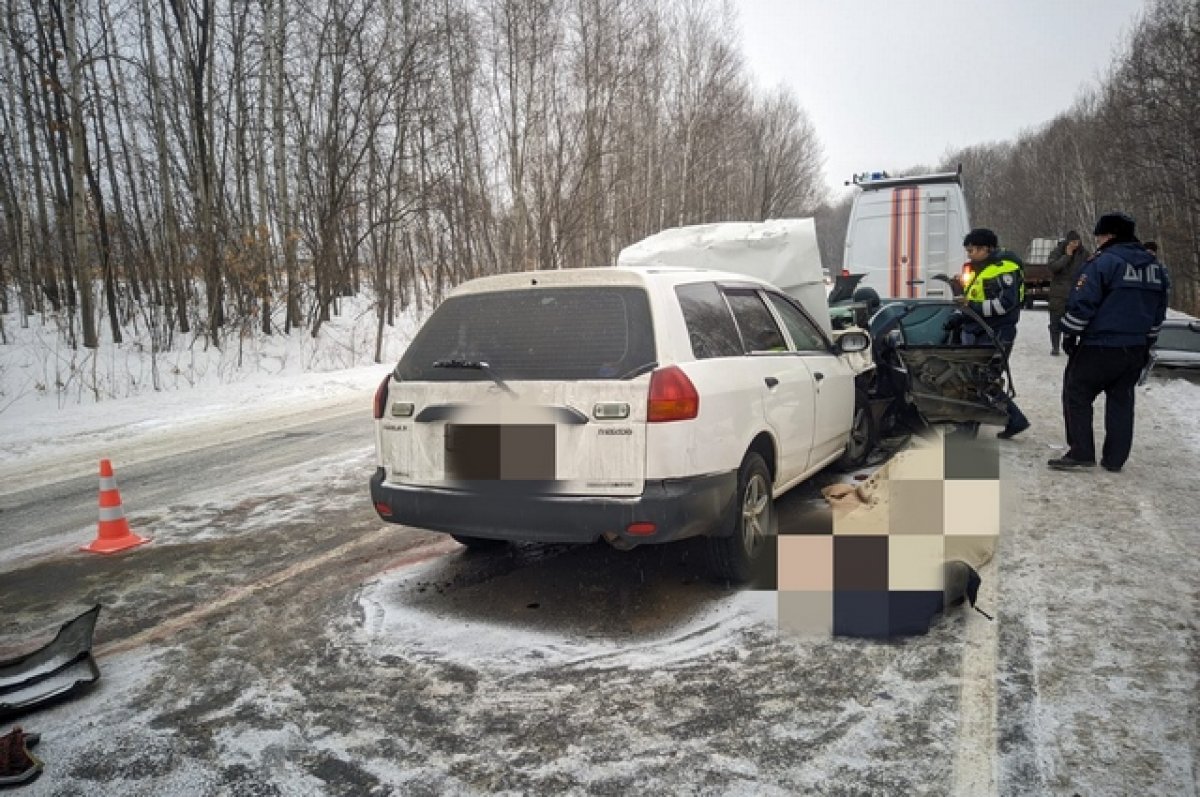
x: 905, y: 230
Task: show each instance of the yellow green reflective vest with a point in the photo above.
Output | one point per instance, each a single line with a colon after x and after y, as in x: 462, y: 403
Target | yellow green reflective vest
x: 992, y: 271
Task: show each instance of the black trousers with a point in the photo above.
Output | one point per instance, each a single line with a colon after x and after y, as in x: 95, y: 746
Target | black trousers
x: 1055, y: 331
x: 1093, y: 370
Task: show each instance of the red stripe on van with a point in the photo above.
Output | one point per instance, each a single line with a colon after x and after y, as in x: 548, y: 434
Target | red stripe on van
x: 905, y: 245
x: 914, y: 241
x: 894, y: 244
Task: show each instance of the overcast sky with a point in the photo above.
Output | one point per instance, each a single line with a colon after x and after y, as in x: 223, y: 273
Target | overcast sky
x: 891, y: 84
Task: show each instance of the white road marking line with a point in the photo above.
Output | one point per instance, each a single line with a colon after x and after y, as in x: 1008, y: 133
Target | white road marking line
x: 975, y: 758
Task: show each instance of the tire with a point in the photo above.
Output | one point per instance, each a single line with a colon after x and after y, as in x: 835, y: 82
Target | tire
x: 478, y: 543
x: 734, y: 557
x: 863, y: 434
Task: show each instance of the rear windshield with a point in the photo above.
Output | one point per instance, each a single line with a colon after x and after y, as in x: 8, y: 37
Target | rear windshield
x: 592, y: 332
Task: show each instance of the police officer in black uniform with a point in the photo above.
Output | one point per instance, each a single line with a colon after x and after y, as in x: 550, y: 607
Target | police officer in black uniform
x: 1113, y: 317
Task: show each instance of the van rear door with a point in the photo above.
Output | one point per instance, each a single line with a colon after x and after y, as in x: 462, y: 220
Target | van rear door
x: 904, y: 231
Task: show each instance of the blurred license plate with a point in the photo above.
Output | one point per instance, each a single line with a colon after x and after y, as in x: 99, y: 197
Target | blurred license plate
x: 495, y: 452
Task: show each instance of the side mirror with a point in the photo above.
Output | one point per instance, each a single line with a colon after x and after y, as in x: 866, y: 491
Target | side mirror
x: 851, y: 341
x: 1194, y: 326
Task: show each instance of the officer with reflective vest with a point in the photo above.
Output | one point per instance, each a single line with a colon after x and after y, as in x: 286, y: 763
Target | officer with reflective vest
x: 997, y: 291
x: 995, y: 294
x: 1113, y: 318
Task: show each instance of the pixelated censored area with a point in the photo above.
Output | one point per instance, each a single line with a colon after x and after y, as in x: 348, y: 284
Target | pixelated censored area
x: 503, y: 453
x: 892, y: 557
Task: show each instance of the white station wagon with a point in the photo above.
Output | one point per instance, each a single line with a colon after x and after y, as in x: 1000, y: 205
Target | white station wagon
x: 637, y: 405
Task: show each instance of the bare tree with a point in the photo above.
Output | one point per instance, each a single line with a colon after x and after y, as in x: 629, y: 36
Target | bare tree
x: 194, y: 28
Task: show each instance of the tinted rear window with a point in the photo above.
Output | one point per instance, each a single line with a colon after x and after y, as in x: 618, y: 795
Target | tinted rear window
x: 593, y: 332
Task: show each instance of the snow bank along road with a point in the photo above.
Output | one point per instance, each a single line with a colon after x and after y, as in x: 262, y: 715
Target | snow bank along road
x: 276, y: 638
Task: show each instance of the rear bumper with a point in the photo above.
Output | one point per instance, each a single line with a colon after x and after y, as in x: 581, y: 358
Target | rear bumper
x: 678, y: 508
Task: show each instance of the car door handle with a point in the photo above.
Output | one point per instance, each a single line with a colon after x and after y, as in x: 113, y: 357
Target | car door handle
x: 771, y: 381
x: 817, y: 375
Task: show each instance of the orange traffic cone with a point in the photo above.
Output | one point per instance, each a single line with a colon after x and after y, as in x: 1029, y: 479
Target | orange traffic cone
x: 113, y: 534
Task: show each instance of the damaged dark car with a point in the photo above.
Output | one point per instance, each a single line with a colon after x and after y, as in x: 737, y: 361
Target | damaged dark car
x: 925, y: 375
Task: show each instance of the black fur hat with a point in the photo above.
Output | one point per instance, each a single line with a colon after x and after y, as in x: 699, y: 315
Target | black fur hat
x: 1116, y: 224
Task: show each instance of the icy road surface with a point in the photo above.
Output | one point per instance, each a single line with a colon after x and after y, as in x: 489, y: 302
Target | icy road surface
x: 276, y: 638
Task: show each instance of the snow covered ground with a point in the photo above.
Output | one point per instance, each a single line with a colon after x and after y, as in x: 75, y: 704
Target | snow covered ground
x: 58, y: 404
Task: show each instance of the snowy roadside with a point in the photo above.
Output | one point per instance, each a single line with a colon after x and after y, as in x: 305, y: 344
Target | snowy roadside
x: 1098, y: 596
x: 48, y: 443
x: 273, y: 383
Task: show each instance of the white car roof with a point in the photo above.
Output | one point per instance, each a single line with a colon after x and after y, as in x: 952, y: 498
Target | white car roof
x: 641, y: 276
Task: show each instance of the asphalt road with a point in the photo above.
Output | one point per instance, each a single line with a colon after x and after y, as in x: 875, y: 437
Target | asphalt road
x: 59, y: 508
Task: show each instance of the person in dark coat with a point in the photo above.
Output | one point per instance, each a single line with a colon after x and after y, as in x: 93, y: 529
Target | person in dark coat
x: 1065, y: 261
x: 1113, y: 317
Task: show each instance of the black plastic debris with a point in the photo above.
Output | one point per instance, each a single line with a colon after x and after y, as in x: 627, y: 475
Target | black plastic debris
x: 53, y: 672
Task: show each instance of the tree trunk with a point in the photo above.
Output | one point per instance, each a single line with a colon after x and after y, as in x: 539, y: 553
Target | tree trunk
x: 77, y: 189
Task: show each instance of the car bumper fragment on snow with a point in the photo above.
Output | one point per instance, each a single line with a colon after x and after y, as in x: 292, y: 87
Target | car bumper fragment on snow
x: 52, y: 672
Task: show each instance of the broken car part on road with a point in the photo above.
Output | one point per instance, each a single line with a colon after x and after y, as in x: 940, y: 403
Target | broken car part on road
x: 53, y: 672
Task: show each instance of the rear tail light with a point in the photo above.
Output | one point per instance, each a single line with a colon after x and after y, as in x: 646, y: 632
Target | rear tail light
x: 381, y: 396
x: 673, y: 397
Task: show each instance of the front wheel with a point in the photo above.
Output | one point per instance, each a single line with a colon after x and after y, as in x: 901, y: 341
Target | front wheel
x: 735, y: 557
x: 863, y: 434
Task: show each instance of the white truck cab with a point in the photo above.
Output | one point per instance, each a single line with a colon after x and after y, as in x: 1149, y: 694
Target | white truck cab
x: 904, y: 230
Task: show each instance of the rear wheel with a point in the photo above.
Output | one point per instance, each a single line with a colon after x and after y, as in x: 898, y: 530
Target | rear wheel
x: 479, y: 543
x: 734, y: 557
